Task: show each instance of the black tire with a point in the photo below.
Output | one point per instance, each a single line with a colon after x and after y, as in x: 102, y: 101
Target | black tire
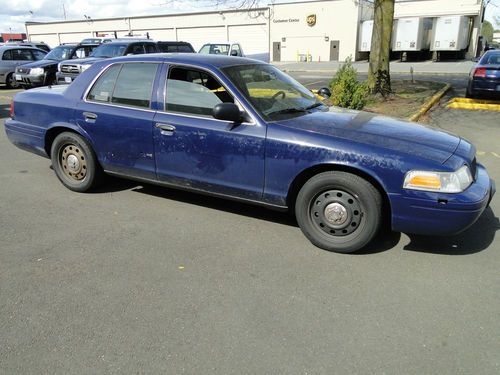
x: 468, y: 94
x: 75, y: 163
x: 50, y: 80
x: 339, y: 211
x: 11, y: 82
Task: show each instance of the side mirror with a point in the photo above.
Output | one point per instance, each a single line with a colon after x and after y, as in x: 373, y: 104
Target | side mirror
x: 227, y: 112
x: 324, y: 92
x: 234, y: 53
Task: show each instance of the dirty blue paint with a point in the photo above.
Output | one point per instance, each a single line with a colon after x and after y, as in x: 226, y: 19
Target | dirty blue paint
x: 258, y: 161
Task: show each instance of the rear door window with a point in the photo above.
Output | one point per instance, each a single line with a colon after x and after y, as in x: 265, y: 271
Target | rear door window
x: 128, y: 84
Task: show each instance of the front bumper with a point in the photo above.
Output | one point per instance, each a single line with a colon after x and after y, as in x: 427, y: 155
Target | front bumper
x: 442, y: 214
x: 65, y: 78
x: 29, y: 79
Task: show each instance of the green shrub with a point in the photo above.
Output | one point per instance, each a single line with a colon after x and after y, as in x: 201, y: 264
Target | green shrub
x: 347, y: 91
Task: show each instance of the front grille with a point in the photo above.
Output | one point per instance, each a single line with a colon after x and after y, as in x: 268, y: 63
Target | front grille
x: 70, y: 69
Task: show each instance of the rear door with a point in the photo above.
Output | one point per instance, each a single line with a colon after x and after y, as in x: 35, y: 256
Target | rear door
x: 195, y: 150
x: 117, y: 115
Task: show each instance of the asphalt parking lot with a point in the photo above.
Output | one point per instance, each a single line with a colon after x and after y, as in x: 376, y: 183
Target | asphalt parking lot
x: 141, y: 279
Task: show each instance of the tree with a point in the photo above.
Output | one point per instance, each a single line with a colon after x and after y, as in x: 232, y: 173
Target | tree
x: 379, y: 79
x: 487, y: 31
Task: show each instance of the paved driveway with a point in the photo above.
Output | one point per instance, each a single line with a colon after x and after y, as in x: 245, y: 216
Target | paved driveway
x: 141, y: 279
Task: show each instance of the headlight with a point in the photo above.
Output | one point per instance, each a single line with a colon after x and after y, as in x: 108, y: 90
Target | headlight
x: 59, y: 67
x: 84, y: 67
x: 443, y: 182
x: 36, y: 71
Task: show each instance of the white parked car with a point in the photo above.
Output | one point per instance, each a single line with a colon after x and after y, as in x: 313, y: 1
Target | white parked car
x: 222, y: 48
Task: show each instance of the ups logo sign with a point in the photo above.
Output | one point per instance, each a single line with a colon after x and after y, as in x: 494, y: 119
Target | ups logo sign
x: 311, y: 20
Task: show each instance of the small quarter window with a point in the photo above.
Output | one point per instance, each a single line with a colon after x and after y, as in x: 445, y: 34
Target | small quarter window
x: 103, y: 88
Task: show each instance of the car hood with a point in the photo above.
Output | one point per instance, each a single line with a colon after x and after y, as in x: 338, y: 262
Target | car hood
x: 379, y: 131
x: 87, y: 60
x: 40, y: 64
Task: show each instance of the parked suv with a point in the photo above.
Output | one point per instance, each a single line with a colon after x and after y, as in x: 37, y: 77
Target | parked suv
x: 43, y: 72
x: 68, y: 70
x: 175, y: 47
x: 11, y: 57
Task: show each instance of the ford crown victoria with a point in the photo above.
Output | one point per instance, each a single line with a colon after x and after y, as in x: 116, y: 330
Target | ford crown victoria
x: 244, y: 130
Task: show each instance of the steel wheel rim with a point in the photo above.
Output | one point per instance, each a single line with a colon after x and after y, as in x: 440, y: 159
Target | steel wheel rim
x: 336, y: 212
x: 73, y: 162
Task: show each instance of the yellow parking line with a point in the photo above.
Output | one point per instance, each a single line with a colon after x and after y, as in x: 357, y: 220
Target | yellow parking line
x: 495, y: 155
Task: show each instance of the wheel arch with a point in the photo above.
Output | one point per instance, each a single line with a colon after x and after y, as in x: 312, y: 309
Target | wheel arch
x: 306, y: 174
x: 59, y: 128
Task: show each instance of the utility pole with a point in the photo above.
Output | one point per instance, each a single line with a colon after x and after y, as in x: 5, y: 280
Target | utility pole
x: 64, y: 11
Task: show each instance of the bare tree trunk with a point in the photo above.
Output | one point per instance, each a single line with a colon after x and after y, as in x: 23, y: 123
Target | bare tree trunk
x: 379, y: 79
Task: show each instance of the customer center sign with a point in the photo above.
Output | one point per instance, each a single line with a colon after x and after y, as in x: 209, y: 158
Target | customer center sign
x: 286, y: 20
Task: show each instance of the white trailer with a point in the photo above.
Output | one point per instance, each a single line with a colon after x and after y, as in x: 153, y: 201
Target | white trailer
x: 451, y: 33
x: 411, y: 34
x: 365, y: 36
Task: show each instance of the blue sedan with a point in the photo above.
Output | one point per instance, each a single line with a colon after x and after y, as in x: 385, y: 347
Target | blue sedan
x: 244, y: 130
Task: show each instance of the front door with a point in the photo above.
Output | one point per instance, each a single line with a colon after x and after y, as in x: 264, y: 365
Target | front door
x: 197, y: 151
x: 334, y: 50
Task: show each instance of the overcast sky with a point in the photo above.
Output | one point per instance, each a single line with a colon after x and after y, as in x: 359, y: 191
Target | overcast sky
x: 14, y: 13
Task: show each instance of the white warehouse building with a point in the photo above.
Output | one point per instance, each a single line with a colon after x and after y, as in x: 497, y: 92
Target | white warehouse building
x: 325, y: 30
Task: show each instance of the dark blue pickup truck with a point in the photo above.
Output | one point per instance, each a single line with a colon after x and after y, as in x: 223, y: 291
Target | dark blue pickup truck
x: 244, y: 130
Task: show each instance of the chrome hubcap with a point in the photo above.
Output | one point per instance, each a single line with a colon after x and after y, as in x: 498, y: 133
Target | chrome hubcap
x: 336, y: 212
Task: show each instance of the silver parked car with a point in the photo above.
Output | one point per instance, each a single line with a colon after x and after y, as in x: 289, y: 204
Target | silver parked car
x: 12, y: 56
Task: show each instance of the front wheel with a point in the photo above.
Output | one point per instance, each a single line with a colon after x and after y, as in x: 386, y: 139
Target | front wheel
x: 11, y: 82
x: 339, y: 211
x: 74, y: 162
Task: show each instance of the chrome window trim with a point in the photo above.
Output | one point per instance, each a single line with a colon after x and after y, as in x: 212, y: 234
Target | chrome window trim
x: 182, y: 65
x: 89, y: 88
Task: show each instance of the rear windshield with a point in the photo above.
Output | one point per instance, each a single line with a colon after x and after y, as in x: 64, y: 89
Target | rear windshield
x: 491, y: 58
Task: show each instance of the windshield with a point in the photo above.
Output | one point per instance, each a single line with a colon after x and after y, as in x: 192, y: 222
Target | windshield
x: 215, y: 49
x: 60, y: 53
x: 274, y: 94
x: 109, y: 50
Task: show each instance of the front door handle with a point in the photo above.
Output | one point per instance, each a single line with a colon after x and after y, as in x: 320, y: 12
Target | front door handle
x: 165, y: 129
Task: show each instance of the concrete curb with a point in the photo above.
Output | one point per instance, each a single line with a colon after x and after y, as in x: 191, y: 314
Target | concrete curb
x: 429, y: 103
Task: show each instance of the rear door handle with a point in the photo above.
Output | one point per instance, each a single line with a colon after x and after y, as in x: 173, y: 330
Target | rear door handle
x: 89, y: 116
x: 165, y: 129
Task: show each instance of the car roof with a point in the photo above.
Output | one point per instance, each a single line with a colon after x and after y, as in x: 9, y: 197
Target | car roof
x: 221, y: 42
x: 207, y: 61
x: 128, y: 41
x: 5, y: 48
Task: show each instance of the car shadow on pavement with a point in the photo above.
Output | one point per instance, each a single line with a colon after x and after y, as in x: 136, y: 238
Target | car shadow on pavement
x: 220, y: 204
x: 473, y: 240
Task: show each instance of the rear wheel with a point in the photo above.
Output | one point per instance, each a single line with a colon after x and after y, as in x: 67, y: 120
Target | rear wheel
x: 339, y: 211
x: 74, y: 162
x: 11, y: 82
